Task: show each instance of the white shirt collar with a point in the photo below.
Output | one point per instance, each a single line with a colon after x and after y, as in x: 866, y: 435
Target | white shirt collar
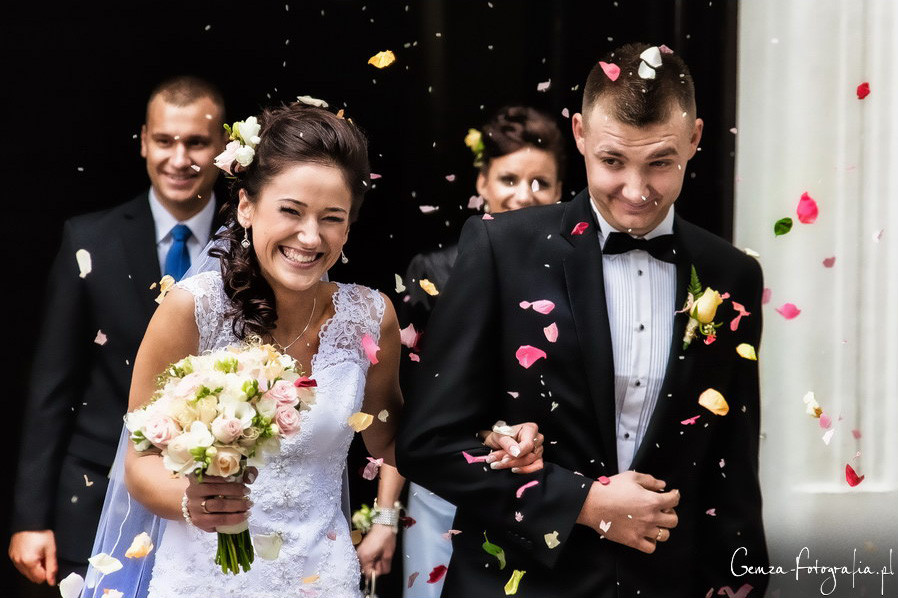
x: 199, y: 224
x: 665, y: 227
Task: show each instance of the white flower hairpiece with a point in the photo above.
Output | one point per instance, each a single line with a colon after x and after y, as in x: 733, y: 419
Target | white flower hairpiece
x: 244, y: 136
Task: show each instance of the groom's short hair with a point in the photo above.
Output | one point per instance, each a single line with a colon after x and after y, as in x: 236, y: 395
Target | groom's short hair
x: 635, y: 100
x: 183, y: 90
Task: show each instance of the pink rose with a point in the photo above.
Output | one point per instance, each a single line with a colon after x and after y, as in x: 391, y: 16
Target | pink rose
x: 160, y: 429
x: 283, y: 393
x: 227, y: 430
x: 225, y: 159
x: 287, y: 419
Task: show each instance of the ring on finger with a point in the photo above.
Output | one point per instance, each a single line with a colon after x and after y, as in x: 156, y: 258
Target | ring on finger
x: 203, y: 507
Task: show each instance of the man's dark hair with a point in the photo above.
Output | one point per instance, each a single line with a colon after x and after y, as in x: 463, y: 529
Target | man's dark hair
x: 636, y: 101
x: 184, y: 90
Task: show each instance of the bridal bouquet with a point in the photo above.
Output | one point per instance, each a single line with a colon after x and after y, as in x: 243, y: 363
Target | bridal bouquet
x: 216, y: 413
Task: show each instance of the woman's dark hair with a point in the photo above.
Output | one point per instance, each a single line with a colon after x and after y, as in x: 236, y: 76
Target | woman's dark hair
x: 289, y: 135
x: 516, y: 127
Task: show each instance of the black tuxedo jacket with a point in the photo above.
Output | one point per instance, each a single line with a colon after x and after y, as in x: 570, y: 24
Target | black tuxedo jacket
x: 469, y: 378
x: 78, y: 391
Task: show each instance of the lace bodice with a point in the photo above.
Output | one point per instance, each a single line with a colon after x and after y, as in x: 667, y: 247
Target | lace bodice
x: 298, y: 492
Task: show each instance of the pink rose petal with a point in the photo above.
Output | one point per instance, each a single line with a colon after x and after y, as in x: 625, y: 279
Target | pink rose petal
x: 856, y: 434
x: 414, y: 357
x: 604, y: 480
x: 551, y: 332
x: 711, y: 512
x: 825, y: 421
x: 664, y: 49
x: 788, y: 311
x: 518, y: 516
x: 488, y: 217
x: 374, y: 176
x: 372, y: 469
x: 408, y: 336
x: 543, y: 306
x: 807, y: 209
x: 690, y: 421
x: 765, y: 296
x: 370, y: 348
x: 740, y: 311
x: 513, y: 394
x: 520, y: 491
x: 612, y: 71
x: 710, y: 339
x: 450, y: 177
x: 742, y: 592
x: 527, y: 355
x: 428, y: 209
x: 101, y: 338
x: 475, y: 202
x: 565, y: 113
x: 544, y: 86
x: 829, y: 262
x: 579, y: 228
x: 331, y: 535
x: 472, y: 459
x: 448, y: 535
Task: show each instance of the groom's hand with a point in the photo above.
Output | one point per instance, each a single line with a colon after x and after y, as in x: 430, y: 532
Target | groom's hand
x: 34, y: 555
x: 521, y: 450
x: 632, y: 509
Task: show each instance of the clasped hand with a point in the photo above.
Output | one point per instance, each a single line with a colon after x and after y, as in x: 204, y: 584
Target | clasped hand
x: 219, y: 502
x: 521, y: 450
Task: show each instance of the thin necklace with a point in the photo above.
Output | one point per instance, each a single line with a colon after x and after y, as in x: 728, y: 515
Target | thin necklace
x: 314, y: 303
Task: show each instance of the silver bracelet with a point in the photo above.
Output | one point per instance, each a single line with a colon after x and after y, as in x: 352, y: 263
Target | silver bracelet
x: 184, y: 511
x: 389, y: 517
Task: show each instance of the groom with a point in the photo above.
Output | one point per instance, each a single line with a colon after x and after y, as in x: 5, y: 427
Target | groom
x: 565, y: 315
x: 94, y: 321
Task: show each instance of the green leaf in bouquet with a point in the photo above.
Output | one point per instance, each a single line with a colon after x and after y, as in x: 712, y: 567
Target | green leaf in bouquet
x: 228, y: 365
x: 251, y: 388
x: 494, y: 550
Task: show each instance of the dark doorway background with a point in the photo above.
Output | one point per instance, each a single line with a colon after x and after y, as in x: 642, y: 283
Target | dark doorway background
x: 76, y: 78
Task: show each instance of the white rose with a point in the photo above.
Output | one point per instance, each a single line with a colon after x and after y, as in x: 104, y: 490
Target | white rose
x: 176, y: 456
x: 226, y: 462
x: 136, y: 420
x: 207, y: 409
x: 160, y: 429
x: 267, y: 406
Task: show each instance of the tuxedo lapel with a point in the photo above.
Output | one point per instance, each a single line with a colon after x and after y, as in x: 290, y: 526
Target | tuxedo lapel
x: 138, y: 238
x: 680, y: 361
x: 586, y: 293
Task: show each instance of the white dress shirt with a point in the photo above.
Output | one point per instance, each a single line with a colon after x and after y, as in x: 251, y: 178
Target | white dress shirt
x: 640, y: 292
x: 199, y: 225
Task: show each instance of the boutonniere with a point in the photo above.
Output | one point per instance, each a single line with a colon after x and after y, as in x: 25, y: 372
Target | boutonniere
x: 701, y: 305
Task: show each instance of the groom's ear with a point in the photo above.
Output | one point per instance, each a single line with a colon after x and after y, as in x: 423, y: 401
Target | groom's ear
x: 245, y: 209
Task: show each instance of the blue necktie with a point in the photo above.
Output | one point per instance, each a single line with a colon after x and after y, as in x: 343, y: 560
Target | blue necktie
x: 178, y: 260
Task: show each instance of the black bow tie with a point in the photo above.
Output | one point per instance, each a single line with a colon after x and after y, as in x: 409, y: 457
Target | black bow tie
x: 660, y: 247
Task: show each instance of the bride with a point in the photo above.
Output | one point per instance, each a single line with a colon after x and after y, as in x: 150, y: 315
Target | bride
x: 295, y: 202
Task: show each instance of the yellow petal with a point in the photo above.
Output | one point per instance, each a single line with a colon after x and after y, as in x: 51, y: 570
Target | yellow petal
x: 140, y: 546
x: 511, y: 588
x: 311, y: 578
x: 428, y: 287
x: 382, y: 59
x: 359, y: 421
x: 747, y: 351
x: 165, y: 286
x: 552, y: 539
x: 714, y: 402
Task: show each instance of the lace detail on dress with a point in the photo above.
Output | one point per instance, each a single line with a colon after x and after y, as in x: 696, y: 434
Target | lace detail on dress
x: 298, y: 491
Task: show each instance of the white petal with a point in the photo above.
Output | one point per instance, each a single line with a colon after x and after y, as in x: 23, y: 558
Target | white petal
x: 645, y: 71
x: 104, y: 563
x: 82, y: 256
x: 71, y: 586
x: 652, y: 56
x: 268, y: 546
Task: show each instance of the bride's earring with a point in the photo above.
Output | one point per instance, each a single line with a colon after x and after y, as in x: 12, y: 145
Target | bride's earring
x: 343, y: 257
x: 245, y: 243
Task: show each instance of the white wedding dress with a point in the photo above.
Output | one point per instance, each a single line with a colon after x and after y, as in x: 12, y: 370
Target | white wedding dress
x: 298, y: 492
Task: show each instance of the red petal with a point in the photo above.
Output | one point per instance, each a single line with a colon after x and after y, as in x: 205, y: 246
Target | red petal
x: 829, y: 262
x: 528, y: 355
x: 863, y: 90
x: 851, y: 476
x: 612, y: 71
x: 807, y: 209
x: 305, y: 382
x: 579, y: 228
x: 437, y: 574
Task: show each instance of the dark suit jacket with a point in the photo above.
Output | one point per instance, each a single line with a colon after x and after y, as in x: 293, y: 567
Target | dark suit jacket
x: 469, y: 369
x: 79, y: 389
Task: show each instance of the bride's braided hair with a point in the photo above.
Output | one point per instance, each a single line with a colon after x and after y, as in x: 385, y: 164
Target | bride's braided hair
x: 293, y: 134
